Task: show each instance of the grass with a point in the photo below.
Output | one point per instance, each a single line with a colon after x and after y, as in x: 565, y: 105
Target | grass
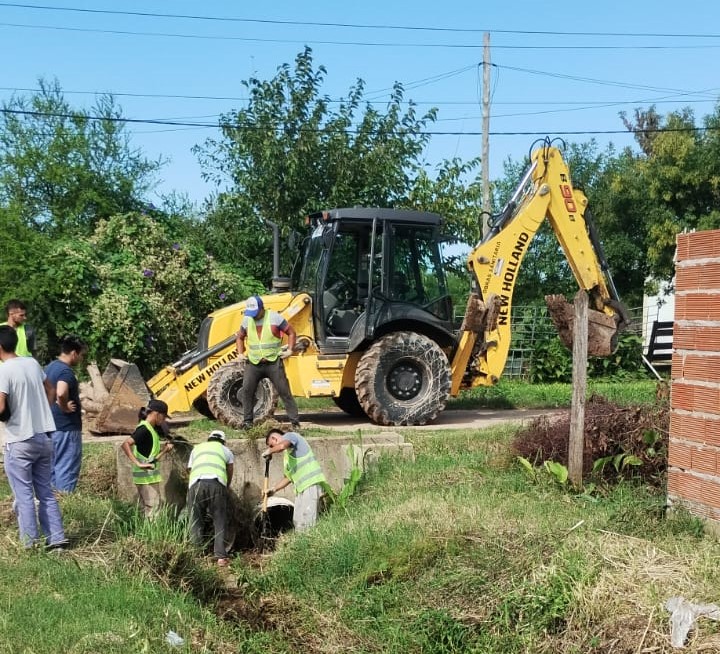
x: 459, y: 552
x: 508, y: 394
x: 456, y: 551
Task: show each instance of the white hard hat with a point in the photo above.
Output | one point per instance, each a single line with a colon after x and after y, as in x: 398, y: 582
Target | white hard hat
x: 218, y: 434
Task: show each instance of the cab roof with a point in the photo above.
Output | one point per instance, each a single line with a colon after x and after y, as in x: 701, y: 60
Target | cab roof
x: 369, y: 214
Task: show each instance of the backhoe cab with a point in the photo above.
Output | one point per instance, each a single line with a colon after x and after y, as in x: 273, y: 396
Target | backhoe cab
x: 369, y: 302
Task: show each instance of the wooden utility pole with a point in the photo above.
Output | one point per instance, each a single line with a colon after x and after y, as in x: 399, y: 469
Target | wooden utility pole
x: 576, y: 445
x: 485, y: 162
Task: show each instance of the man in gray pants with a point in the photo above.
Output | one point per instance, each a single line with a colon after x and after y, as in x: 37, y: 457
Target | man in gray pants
x: 262, y: 330
x: 26, y: 395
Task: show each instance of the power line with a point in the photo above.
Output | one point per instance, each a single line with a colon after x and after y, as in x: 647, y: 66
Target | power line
x: 356, y: 25
x: 591, y: 80
x: 175, y: 123
x: 373, y: 44
x: 584, y: 103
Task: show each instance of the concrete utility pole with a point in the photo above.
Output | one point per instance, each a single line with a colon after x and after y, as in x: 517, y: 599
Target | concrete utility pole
x: 576, y: 446
x: 485, y: 163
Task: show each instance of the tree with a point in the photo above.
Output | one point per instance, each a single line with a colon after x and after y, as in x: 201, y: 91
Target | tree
x: 674, y: 185
x: 132, y: 290
x: 454, y: 194
x: 62, y: 169
x: 23, y: 248
x: 288, y: 153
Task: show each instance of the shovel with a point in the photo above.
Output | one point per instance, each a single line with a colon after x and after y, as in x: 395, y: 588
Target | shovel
x: 265, y: 530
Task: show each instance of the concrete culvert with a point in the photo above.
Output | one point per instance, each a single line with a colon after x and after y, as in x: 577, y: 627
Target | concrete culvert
x: 268, y: 527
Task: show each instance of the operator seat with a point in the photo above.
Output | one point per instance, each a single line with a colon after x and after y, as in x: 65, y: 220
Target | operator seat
x: 340, y: 321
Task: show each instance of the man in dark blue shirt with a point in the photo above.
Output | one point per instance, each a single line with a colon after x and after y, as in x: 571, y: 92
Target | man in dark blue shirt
x: 67, y: 437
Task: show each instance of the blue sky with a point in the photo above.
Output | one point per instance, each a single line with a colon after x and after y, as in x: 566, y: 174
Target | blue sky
x: 549, y: 83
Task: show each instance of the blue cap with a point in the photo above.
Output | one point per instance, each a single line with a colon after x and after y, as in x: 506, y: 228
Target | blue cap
x: 253, y: 306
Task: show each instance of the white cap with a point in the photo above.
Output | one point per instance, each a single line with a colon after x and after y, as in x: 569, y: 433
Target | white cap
x: 219, y: 434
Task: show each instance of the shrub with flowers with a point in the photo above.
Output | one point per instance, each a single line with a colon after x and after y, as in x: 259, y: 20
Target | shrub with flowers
x: 135, y: 293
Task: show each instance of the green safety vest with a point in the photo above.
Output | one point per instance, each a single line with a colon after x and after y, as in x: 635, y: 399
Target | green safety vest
x: 304, y: 471
x: 209, y: 459
x: 140, y: 475
x: 267, y: 346
x: 22, y: 349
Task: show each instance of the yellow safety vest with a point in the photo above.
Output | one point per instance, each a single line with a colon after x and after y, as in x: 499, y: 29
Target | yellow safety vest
x: 22, y: 349
x: 304, y: 471
x: 140, y: 475
x: 267, y: 346
x: 209, y: 459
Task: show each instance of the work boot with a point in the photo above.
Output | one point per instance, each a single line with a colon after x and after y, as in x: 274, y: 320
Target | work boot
x: 295, y: 426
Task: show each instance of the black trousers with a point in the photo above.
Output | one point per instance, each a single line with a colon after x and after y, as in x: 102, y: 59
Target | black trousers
x: 275, y: 372
x: 207, y: 501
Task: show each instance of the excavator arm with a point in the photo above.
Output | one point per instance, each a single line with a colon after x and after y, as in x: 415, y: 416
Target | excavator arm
x: 545, y: 192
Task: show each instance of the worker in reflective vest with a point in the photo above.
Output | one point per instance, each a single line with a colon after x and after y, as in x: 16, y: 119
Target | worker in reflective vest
x: 263, y: 330
x: 16, y: 315
x: 144, y: 449
x: 301, y: 469
x: 211, y: 471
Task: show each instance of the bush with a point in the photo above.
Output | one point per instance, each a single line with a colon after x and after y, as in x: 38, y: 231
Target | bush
x: 133, y: 292
x: 552, y: 361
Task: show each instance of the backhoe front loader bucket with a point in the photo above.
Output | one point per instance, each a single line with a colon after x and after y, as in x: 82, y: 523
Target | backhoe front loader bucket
x: 602, y: 328
x: 126, y: 394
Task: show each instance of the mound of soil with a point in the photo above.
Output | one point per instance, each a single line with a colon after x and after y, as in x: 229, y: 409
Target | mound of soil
x: 610, y: 430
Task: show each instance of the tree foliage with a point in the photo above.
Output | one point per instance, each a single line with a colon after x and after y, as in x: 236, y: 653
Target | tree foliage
x: 291, y: 152
x: 680, y: 178
x: 63, y: 169
x: 132, y: 291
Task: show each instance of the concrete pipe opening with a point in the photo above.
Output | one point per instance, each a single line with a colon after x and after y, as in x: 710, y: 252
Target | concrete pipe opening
x: 267, y: 527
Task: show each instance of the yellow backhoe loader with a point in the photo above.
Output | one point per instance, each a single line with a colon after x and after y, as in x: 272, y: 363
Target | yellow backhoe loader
x: 374, y: 318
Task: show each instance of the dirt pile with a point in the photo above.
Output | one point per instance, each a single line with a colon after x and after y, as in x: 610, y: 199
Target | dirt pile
x: 628, y: 439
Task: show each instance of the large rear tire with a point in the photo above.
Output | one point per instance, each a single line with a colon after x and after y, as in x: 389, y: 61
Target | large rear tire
x: 349, y: 403
x: 224, y: 396
x: 403, y: 379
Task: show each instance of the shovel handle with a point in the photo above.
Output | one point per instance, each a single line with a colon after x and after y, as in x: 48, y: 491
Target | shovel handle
x: 266, y: 482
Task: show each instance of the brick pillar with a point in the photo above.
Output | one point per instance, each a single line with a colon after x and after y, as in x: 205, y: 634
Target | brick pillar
x: 694, y: 449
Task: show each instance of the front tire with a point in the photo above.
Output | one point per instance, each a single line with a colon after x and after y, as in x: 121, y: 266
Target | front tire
x: 403, y: 379
x: 201, y: 406
x: 224, y: 396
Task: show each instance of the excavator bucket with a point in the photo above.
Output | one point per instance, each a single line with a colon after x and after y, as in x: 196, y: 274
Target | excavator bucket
x: 119, y: 394
x: 602, y: 328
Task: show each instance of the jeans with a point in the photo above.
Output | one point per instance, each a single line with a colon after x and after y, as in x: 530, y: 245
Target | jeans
x: 67, y: 457
x: 207, y: 500
x: 28, y: 466
x: 275, y: 372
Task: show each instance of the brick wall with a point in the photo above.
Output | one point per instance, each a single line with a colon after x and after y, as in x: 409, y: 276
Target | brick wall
x: 694, y: 451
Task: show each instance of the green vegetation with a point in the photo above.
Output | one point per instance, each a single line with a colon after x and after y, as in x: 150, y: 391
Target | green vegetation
x: 552, y: 361
x: 510, y: 394
x: 459, y: 550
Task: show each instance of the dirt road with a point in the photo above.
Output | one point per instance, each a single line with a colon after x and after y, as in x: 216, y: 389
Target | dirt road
x: 450, y: 419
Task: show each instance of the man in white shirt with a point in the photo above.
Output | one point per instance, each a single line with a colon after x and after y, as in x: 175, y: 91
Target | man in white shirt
x: 26, y: 394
